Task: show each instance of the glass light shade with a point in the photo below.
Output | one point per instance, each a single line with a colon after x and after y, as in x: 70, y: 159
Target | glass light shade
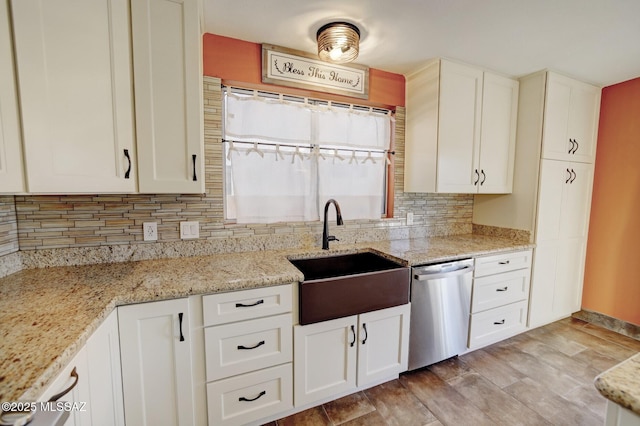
x: 338, y: 42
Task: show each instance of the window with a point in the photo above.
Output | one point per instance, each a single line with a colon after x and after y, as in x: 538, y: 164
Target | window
x: 285, y: 156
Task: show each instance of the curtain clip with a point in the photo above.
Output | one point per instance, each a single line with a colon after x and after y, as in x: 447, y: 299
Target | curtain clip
x: 336, y: 155
x: 298, y: 153
x: 369, y: 157
x: 278, y: 153
x: 353, y: 157
x: 231, y: 148
x: 256, y: 149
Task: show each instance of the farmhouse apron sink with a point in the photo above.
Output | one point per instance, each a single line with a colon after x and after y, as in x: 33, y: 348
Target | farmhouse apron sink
x: 350, y: 284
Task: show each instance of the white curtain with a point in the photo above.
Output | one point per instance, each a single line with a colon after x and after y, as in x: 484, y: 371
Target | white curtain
x: 355, y: 129
x: 356, y: 182
x: 251, y: 118
x: 273, y: 183
x: 273, y: 187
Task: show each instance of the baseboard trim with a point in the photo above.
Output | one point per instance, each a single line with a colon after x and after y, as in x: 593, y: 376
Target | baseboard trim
x: 610, y: 323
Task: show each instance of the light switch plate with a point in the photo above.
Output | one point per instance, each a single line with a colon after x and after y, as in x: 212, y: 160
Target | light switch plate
x: 410, y: 218
x: 150, y: 231
x: 189, y: 230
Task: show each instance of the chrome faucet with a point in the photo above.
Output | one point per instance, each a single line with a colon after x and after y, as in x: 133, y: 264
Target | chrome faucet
x: 325, y: 232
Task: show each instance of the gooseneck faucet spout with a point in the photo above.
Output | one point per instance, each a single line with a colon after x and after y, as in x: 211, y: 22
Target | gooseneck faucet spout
x: 325, y: 232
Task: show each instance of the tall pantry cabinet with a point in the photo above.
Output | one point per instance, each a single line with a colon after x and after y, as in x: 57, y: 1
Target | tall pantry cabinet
x: 556, y: 142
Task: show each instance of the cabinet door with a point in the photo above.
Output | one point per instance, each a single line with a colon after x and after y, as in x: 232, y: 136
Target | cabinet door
x: 459, y: 128
x: 567, y: 294
x: 383, y: 344
x: 11, y: 171
x: 168, y: 95
x: 324, y: 359
x: 564, y: 200
x: 74, y: 378
x: 498, y: 134
x: 570, y: 120
x: 105, y: 374
x: 576, y: 201
x: 74, y: 72
x: 156, y: 363
x: 557, y: 278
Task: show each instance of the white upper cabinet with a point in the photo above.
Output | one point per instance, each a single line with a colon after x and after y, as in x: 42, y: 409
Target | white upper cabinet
x: 11, y: 171
x: 571, y: 118
x: 168, y: 95
x: 74, y: 77
x: 460, y: 130
x: 498, y: 134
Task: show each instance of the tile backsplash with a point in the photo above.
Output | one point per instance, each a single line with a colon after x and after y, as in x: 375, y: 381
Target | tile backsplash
x: 40, y: 222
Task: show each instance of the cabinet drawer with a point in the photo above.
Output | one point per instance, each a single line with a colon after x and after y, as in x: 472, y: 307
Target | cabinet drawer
x: 237, y: 348
x: 249, y: 397
x: 504, y: 262
x: 500, y: 289
x: 247, y: 304
x: 497, y: 324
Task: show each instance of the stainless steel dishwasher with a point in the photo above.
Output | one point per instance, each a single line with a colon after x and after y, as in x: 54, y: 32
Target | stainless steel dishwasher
x: 440, y: 309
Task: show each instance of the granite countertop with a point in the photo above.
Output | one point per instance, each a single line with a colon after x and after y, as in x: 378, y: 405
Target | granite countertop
x: 621, y: 384
x: 46, y: 315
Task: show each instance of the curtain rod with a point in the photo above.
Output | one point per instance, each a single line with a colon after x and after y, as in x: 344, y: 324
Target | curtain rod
x: 311, y: 146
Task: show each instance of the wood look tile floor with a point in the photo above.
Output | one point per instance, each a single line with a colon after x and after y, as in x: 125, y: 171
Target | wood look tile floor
x: 541, y: 377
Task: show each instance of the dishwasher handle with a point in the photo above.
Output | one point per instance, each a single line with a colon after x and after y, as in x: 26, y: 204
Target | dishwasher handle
x: 448, y: 274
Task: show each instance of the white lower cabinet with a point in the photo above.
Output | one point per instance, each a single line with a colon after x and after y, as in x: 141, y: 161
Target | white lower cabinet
x: 72, y: 385
x: 500, y: 298
x: 97, y: 378
x: 156, y: 363
x: 342, y: 355
x: 248, y: 354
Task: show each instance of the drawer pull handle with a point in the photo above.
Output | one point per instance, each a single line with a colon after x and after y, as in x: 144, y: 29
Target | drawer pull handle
x: 257, y: 345
x: 353, y: 331
x: 57, y: 396
x: 261, y: 394
x: 242, y: 305
x: 180, y: 320
x: 498, y: 322
x: 366, y: 333
x: 506, y: 262
x: 502, y: 289
x: 195, y: 178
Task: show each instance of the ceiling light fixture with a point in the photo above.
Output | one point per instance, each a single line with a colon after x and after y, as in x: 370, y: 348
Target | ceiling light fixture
x: 338, y: 42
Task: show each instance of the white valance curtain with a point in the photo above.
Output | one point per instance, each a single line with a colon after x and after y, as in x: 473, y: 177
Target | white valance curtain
x: 295, y: 155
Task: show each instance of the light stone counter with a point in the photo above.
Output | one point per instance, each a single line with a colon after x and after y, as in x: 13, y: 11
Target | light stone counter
x: 621, y: 384
x: 46, y: 315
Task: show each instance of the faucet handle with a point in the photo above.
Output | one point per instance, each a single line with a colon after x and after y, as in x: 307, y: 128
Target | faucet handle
x: 332, y: 238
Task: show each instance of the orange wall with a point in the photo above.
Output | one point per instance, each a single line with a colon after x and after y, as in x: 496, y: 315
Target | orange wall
x: 612, y: 278
x: 241, y: 61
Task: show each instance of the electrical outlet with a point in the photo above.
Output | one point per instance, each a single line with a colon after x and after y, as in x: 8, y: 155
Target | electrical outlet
x: 409, y: 218
x: 150, y: 231
x: 189, y: 230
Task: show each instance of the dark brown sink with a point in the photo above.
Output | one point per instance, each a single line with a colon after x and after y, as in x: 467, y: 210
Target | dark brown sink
x: 350, y: 284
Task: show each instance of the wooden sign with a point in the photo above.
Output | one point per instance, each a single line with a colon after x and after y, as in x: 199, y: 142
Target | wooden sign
x: 302, y: 70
